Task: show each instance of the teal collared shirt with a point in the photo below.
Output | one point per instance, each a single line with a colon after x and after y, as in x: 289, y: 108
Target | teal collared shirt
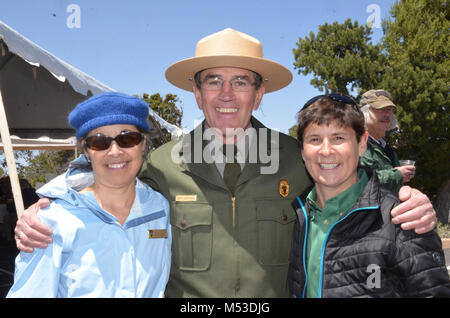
x: 320, y: 222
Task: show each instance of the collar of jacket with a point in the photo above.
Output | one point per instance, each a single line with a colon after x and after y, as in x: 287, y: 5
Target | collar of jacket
x: 208, y: 170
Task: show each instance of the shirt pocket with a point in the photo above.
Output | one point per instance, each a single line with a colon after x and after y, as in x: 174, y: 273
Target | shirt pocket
x: 276, y: 219
x: 192, y: 235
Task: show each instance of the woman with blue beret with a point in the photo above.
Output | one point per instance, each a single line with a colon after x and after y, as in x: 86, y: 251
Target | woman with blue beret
x: 111, y: 238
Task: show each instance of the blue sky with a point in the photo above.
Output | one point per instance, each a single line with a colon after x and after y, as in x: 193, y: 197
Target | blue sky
x: 129, y: 44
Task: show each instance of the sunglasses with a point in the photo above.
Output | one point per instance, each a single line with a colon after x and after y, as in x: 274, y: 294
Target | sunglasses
x: 336, y: 97
x: 126, y: 139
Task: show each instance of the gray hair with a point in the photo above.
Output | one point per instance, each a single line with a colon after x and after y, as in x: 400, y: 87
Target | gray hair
x: 366, y: 112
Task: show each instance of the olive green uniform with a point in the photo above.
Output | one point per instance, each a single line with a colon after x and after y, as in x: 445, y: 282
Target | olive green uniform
x: 226, y: 246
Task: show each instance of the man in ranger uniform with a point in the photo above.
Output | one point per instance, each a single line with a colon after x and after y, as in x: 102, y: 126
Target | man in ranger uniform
x: 231, y: 238
x: 230, y: 207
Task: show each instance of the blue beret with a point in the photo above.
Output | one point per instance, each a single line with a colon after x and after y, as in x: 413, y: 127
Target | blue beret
x: 109, y: 109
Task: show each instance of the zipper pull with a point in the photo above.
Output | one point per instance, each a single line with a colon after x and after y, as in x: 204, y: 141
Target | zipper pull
x: 233, y: 204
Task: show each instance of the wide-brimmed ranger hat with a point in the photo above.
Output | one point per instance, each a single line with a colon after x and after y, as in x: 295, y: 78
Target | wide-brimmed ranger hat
x: 229, y: 48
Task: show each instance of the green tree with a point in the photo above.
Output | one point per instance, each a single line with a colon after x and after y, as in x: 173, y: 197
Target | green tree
x: 45, y: 165
x: 293, y: 131
x: 341, y: 57
x: 411, y: 62
x: 169, y: 110
x: 418, y: 75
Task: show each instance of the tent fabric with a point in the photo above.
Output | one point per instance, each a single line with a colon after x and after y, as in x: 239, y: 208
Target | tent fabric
x: 36, y: 56
x: 53, y: 88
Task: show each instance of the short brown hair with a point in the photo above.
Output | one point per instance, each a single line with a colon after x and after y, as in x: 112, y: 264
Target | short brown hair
x: 324, y: 111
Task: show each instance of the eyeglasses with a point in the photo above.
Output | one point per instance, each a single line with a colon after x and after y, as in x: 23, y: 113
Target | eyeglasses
x: 215, y: 83
x: 335, y: 97
x: 126, y: 139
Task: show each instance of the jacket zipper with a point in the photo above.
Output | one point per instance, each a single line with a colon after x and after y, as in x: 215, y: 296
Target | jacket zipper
x: 305, y: 239
x: 319, y: 293
x: 233, y: 204
x: 237, y: 281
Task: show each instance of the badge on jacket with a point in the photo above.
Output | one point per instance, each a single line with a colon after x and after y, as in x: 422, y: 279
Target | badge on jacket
x: 157, y: 234
x: 284, y: 188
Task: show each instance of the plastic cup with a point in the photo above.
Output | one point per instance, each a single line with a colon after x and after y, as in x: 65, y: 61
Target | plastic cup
x: 407, y: 162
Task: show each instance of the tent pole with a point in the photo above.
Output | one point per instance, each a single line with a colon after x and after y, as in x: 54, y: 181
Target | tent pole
x: 9, y: 154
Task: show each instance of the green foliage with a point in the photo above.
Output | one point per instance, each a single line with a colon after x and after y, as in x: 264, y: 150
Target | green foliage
x: 411, y: 62
x: 46, y: 165
x: 443, y: 230
x: 340, y: 56
x: 168, y: 110
x: 418, y: 77
x: 293, y: 131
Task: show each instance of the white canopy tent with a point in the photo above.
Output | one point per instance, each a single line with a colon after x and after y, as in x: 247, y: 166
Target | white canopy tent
x: 37, y: 92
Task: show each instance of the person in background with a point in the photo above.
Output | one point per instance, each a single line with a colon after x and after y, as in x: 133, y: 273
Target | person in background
x: 378, y: 108
x: 111, y: 238
x: 344, y: 242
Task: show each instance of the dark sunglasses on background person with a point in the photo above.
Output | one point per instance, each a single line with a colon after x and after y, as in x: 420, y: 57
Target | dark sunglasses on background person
x: 126, y: 139
x: 335, y: 97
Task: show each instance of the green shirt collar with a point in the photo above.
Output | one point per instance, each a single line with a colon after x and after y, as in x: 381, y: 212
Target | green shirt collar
x: 343, y: 202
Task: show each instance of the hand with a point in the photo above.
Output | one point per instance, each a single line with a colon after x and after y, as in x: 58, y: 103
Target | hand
x: 415, y: 212
x: 408, y: 172
x: 30, y: 231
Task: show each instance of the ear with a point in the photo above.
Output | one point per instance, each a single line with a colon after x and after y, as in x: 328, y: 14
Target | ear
x: 259, y: 95
x: 198, y: 96
x: 362, y: 147
x: 143, y: 143
x: 86, y: 155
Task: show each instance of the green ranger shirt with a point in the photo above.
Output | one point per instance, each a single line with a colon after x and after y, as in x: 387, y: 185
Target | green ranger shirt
x: 320, y: 223
x: 224, y: 244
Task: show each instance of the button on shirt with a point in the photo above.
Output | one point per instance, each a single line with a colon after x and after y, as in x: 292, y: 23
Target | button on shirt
x: 321, y: 221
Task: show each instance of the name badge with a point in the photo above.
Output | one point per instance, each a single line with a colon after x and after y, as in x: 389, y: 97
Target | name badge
x: 186, y: 198
x: 157, y: 234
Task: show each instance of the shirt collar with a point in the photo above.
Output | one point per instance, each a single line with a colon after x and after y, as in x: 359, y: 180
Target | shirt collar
x: 343, y: 202
x: 381, y: 142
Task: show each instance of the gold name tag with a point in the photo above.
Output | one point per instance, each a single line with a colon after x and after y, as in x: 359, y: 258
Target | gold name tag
x: 186, y: 198
x: 157, y: 234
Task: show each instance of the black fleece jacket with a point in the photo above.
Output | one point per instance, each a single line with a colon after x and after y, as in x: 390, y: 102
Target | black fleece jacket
x: 366, y: 255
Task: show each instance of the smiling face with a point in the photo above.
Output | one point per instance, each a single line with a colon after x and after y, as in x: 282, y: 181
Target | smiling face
x: 115, y: 167
x: 331, y: 154
x: 228, y: 108
x: 379, y: 121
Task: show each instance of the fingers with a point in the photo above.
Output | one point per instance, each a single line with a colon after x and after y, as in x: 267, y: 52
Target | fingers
x: 30, y: 232
x: 408, y: 172
x: 422, y: 219
x: 424, y: 225
x: 411, y: 199
x: 416, y: 212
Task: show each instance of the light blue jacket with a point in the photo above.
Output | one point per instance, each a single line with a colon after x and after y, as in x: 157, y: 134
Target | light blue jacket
x: 92, y: 255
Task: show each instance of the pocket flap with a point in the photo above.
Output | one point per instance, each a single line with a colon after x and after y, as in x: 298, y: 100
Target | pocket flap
x: 275, y: 210
x: 185, y: 215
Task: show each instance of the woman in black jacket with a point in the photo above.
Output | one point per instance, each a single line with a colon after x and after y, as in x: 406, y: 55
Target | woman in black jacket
x: 345, y: 244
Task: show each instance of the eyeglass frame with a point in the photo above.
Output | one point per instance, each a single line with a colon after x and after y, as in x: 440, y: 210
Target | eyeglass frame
x: 219, y: 78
